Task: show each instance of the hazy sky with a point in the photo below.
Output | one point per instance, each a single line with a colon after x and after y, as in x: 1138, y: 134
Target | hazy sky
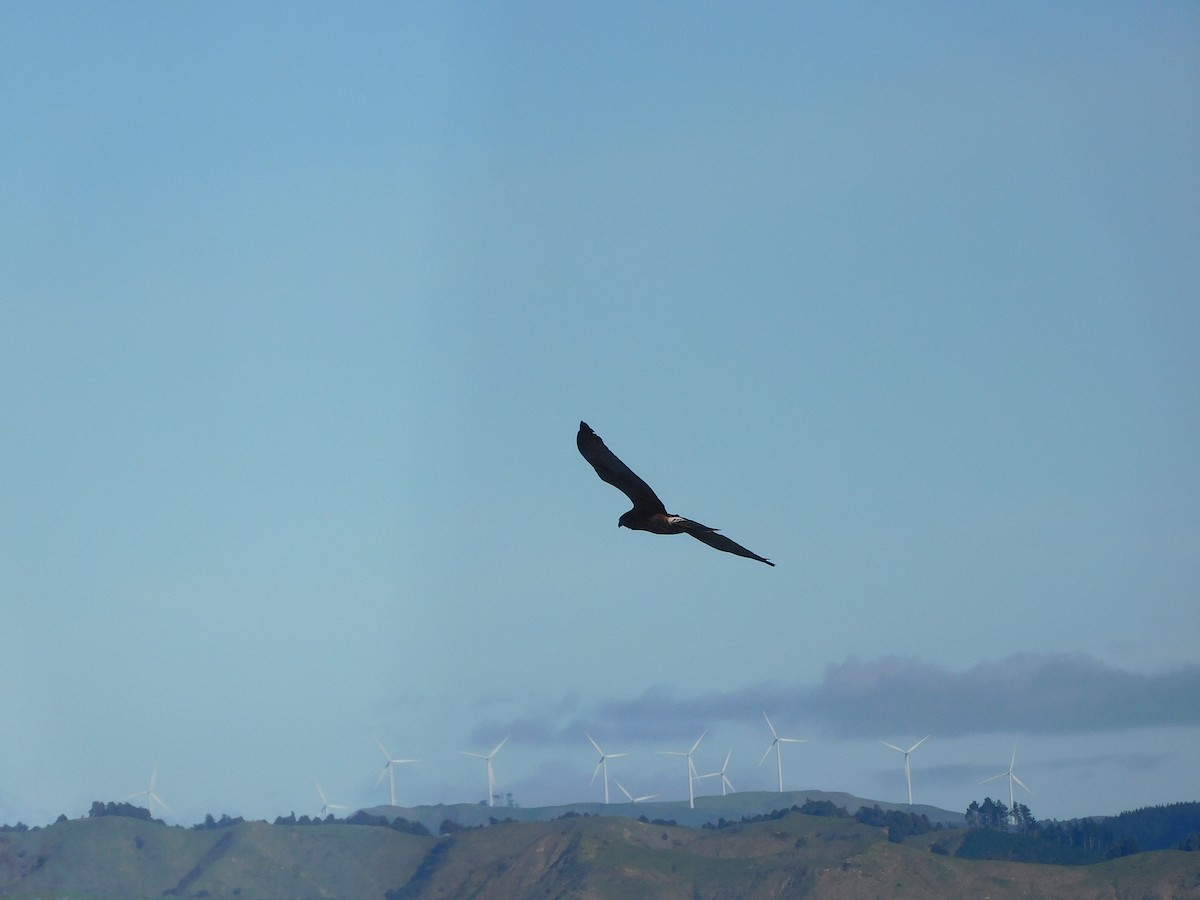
x: 301, y: 305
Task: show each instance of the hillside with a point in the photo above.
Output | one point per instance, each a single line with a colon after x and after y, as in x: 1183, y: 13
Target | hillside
x: 115, y: 856
x: 795, y: 856
x: 786, y: 855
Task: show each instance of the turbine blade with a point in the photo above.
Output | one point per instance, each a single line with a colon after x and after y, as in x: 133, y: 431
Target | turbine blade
x: 994, y: 777
x: 698, y: 740
x: 596, y: 771
x: 498, y: 746
x: 768, y: 753
x: 917, y: 744
x: 772, y: 727
x: 1021, y: 783
x: 594, y: 744
x: 893, y: 746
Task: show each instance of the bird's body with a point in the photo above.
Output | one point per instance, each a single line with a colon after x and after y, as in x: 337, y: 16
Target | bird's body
x: 648, y: 513
x: 658, y: 523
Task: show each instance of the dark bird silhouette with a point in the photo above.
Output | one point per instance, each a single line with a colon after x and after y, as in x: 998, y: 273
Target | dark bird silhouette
x: 648, y: 513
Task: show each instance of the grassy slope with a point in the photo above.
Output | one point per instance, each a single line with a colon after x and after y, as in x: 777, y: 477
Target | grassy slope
x: 112, y: 856
x: 798, y: 856
x: 121, y: 857
x: 317, y: 861
x: 894, y: 870
x: 585, y: 857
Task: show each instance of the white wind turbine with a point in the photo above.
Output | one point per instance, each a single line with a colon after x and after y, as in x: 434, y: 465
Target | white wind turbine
x: 725, y: 782
x: 691, y: 768
x: 603, y: 764
x: 907, y: 770
x: 776, y: 741
x: 326, y: 807
x: 1012, y: 776
x: 633, y: 799
x: 389, y: 769
x: 490, y: 773
x: 151, y: 797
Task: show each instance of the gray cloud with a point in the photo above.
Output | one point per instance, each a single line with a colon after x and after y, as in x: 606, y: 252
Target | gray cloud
x: 1130, y: 762
x: 972, y: 773
x: 1028, y: 693
x: 1031, y: 693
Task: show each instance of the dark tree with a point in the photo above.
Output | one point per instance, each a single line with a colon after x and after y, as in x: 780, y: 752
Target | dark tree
x: 1025, y: 822
x: 449, y: 826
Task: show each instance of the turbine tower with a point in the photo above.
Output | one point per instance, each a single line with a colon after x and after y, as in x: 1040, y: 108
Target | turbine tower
x: 633, y: 799
x: 691, y: 768
x: 725, y: 782
x: 907, y: 770
x: 603, y: 764
x: 151, y: 797
x: 1012, y: 776
x: 389, y: 769
x: 327, y: 808
x: 776, y: 741
x: 490, y: 773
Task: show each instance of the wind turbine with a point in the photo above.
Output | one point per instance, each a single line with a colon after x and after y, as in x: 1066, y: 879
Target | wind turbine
x: 389, y: 769
x: 776, y: 741
x: 907, y: 770
x: 603, y: 764
x: 633, y: 799
x: 725, y: 782
x: 327, y: 808
x: 490, y: 773
x: 1012, y: 776
x: 692, y: 776
x: 151, y: 797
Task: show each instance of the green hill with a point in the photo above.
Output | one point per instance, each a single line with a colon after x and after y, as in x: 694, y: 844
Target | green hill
x: 786, y: 854
x: 115, y: 856
x: 793, y: 856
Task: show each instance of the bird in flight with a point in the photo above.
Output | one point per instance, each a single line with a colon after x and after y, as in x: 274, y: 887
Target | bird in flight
x: 648, y: 513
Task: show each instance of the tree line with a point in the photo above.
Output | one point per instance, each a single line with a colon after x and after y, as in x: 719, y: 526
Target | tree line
x: 994, y: 831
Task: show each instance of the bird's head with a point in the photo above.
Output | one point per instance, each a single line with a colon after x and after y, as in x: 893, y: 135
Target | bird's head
x: 623, y: 522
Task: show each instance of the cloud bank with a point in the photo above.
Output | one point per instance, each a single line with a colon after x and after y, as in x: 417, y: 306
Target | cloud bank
x: 1028, y: 693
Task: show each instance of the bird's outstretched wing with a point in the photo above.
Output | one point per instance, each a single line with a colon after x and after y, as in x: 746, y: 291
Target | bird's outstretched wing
x: 616, y: 473
x: 715, y: 539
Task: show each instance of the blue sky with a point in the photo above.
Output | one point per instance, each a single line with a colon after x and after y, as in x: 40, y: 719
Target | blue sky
x: 302, y: 305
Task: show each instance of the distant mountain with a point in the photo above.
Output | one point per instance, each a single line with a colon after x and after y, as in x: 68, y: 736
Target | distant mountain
x: 709, y: 809
x: 783, y: 854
